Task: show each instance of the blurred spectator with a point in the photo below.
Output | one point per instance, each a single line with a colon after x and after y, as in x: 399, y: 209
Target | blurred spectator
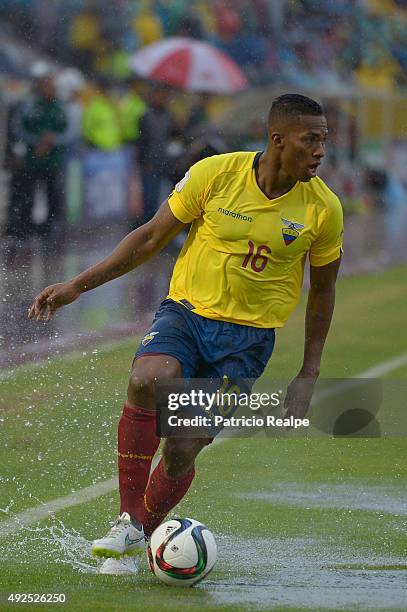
x: 45, y: 27
x: 169, y: 12
x: 190, y: 25
x: 228, y: 20
x: 14, y: 152
x: 101, y: 121
x: 157, y: 127
x: 132, y: 107
x: 205, y: 146
x: 85, y: 37
x: 394, y: 197
x: 147, y: 27
x: 377, y: 71
x: 37, y: 135
x: 199, y: 118
x: 384, y: 191
x: 70, y: 83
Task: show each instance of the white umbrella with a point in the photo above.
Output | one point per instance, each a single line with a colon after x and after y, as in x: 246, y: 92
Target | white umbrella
x: 190, y: 64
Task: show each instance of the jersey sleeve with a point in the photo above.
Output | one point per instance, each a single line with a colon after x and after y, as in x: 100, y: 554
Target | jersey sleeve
x: 188, y: 199
x: 327, y: 247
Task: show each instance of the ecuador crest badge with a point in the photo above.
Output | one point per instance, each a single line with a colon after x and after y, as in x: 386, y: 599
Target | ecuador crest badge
x: 291, y: 230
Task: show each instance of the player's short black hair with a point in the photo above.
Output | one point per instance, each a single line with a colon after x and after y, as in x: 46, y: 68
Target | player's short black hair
x: 292, y: 105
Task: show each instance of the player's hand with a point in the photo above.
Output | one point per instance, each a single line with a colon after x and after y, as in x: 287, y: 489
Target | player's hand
x: 50, y: 299
x: 298, y: 397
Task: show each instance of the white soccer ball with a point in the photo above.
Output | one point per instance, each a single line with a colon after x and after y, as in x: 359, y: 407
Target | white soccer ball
x: 181, y: 552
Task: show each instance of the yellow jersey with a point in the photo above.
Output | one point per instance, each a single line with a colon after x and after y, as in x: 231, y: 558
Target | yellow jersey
x: 243, y: 260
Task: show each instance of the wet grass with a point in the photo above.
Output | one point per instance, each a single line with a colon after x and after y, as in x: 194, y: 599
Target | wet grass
x: 58, y: 432
x: 274, y: 554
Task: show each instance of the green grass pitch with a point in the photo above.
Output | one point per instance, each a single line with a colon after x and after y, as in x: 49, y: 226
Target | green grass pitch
x: 313, y: 524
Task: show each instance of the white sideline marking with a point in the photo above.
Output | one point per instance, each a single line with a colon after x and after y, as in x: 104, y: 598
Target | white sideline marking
x: 384, y: 368
x: 375, y: 372
x: 42, y: 511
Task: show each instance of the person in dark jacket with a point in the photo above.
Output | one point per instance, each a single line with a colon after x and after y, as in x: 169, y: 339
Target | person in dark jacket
x: 37, y: 131
x: 157, y: 127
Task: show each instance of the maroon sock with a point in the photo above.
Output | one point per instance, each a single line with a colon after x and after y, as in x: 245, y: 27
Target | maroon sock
x: 162, y: 494
x: 137, y: 444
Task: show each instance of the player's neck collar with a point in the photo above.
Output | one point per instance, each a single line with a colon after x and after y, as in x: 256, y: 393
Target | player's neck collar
x: 257, y: 158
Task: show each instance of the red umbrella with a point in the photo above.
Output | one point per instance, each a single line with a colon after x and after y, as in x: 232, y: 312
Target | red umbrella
x: 190, y: 64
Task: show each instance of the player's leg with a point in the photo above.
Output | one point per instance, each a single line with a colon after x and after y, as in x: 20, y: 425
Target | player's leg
x: 137, y: 437
x: 170, y: 480
x: 137, y: 445
x: 168, y: 344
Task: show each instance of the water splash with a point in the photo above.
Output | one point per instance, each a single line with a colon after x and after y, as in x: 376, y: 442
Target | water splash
x: 51, y: 544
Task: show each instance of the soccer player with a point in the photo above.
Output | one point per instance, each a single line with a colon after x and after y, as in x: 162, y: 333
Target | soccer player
x: 255, y: 216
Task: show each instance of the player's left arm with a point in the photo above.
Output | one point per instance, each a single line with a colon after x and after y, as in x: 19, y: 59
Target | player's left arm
x: 325, y: 258
x: 318, y: 317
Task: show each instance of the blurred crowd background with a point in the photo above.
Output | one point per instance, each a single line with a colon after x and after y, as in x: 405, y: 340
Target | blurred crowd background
x: 86, y: 141
x: 88, y: 148
x: 299, y: 42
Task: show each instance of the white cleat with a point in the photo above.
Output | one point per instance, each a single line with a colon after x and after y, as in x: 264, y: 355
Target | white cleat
x: 119, y: 567
x: 126, y: 537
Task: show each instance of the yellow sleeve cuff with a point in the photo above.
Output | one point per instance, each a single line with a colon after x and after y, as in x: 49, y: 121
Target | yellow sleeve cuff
x: 323, y: 260
x: 178, y: 209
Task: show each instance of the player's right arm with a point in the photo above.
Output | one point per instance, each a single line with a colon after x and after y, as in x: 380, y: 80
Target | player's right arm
x: 136, y: 248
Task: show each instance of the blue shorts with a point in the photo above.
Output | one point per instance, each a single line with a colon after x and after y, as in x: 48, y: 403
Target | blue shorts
x: 207, y: 348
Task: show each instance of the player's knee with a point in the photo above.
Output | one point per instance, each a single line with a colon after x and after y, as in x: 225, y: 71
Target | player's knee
x: 141, y: 384
x: 141, y: 389
x: 145, y: 374
x: 179, y: 455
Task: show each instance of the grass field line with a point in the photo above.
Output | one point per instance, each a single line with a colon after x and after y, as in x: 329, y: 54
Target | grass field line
x: 375, y: 372
x: 103, y: 347
x: 43, y: 510
x: 385, y: 367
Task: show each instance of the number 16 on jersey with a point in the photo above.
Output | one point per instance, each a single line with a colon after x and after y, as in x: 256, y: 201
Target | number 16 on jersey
x: 258, y: 261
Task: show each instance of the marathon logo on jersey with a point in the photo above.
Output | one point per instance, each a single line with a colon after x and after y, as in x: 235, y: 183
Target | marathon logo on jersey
x: 291, y: 231
x: 147, y: 339
x: 235, y: 215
